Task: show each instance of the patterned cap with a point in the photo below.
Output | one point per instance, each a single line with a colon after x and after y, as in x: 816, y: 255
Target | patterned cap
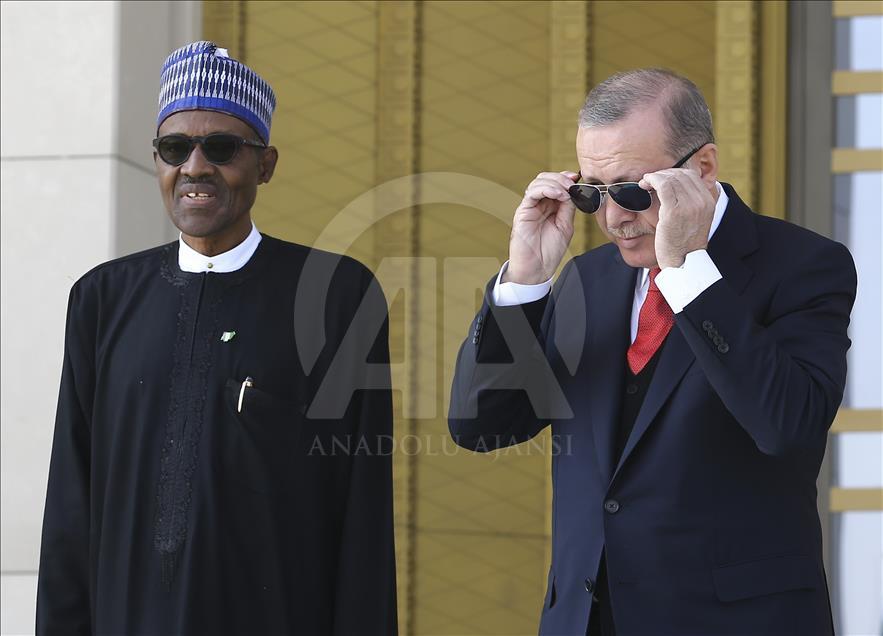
x: 201, y: 76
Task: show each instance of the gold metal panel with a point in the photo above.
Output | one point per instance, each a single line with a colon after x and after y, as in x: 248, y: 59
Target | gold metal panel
x: 487, y: 586
x: 851, y: 8
x: 568, y: 75
x: 853, y: 160
x: 736, y: 115
x: 320, y: 59
x: 676, y: 35
x: 484, y: 111
x: 851, y: 499
x: 855, y: 82
x: 223, y: 24
x: 396, y: 235
x: 858, y: 421
x: 773, y: 105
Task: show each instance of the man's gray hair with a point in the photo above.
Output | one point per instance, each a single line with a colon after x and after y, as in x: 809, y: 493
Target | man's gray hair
x: 683, y: 107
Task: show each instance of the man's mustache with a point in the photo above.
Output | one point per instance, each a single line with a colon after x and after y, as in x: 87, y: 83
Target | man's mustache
x: 629, y: 231
x: 196, y: 180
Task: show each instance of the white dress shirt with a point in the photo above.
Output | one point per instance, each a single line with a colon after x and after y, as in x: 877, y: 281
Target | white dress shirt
x: 189, y: 260
x: 679, y: 285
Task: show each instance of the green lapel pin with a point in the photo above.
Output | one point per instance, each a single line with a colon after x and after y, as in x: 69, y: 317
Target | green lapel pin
x: 227, y: 336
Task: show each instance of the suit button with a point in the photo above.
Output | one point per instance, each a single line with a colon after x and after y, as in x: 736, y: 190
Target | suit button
x: 475, y: 340
x: 718, y: 340
x: 631, y: 389
x: 479, y: 319
x: 590, y: 586
x: 723, y: 348
x: 611, y: 506
x: 707, y: 325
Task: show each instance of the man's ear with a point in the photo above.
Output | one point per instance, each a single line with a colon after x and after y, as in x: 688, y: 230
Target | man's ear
x: 268, y: 164
x: 706, y: 161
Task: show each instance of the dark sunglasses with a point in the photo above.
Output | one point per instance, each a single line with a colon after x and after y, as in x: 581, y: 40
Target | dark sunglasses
x: 628, y: 195
x: 217, y: 148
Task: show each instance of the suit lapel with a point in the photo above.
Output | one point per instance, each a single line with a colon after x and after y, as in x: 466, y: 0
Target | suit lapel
x: 610, y: 308
x: 674, y: 360
x: 735, y: 238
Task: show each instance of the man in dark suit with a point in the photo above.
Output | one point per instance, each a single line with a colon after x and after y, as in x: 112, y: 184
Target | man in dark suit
x: 690, y: 370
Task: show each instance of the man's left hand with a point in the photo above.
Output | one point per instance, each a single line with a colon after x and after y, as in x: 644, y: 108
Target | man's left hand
x: 686, y: 209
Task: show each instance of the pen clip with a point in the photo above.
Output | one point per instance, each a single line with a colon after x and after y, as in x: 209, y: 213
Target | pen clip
x: 246, y: 382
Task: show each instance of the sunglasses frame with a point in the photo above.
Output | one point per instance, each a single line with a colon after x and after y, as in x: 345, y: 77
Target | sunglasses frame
x: 602, y: 188
x: 197, y: 140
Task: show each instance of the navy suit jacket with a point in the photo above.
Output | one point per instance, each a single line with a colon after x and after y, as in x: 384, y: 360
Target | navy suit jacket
x: 709, y: 516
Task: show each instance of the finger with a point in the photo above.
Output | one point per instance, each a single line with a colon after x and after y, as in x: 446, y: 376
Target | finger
x: 680, y: 175
x: 560, y: 211
x: 651, y: 180
x: 561, y: 182
x: 536, y: 200
x: 565, y: 179
x: 547, y: 190
x: 564, y: 217
x: 549, y: 186
x: 693, y: 183
x: 666, y: 189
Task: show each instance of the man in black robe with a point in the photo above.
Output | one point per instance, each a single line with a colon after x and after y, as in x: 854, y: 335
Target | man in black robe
x: 221, y: 457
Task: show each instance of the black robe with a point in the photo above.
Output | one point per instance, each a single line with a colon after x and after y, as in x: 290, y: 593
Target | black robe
x: 169, y: 510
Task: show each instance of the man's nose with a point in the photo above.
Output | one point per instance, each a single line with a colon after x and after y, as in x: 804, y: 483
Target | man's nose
x: 615, y: 214
x: 197, y: 165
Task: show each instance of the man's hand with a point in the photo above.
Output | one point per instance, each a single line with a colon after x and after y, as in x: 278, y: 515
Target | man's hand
x: 686, y: 209
x: 542, y: 229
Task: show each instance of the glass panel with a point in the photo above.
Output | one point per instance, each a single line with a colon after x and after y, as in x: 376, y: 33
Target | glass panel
x: 859, y: 460
x: 857, y: 43
x: 857, y: 592
x: 861, y: 192
x: 857, y: 539
x: 859, y: 121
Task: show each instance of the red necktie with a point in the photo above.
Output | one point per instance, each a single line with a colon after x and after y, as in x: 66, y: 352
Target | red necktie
x: 654, y: 323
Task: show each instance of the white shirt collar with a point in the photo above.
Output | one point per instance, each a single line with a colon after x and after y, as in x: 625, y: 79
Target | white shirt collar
x: 189, y: 260
x: 719, y: 209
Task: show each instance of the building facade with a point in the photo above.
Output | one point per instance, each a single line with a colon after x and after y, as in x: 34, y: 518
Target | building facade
x: 406, y: 132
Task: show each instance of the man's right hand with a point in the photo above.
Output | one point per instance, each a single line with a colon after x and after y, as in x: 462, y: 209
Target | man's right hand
x: 542, y: 229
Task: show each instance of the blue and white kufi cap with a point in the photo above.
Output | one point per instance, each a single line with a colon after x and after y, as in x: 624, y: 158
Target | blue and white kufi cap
x: 201, y: 76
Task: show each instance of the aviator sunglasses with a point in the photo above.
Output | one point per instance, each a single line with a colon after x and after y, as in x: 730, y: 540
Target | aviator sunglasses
x: 627, y: 195
x: 217, y: 148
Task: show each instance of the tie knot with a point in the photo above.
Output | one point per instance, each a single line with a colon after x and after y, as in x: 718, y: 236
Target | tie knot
x: 653, y: 274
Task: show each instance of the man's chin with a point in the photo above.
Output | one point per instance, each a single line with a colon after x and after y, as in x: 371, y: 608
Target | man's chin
x: 638, y: 251
x: 198, y: 225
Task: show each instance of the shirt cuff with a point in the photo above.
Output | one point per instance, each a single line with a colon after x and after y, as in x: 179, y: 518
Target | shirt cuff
x: 682, y: 285
x: 508, y: 294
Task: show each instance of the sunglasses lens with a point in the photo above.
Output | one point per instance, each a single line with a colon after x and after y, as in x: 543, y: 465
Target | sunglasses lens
x: 174, y: 150
x: 220, y: 148
x: 585, y: 197
x: 630, y: 196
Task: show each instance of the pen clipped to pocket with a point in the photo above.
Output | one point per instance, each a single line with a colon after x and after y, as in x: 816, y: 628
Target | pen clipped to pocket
x: 247, y: 382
